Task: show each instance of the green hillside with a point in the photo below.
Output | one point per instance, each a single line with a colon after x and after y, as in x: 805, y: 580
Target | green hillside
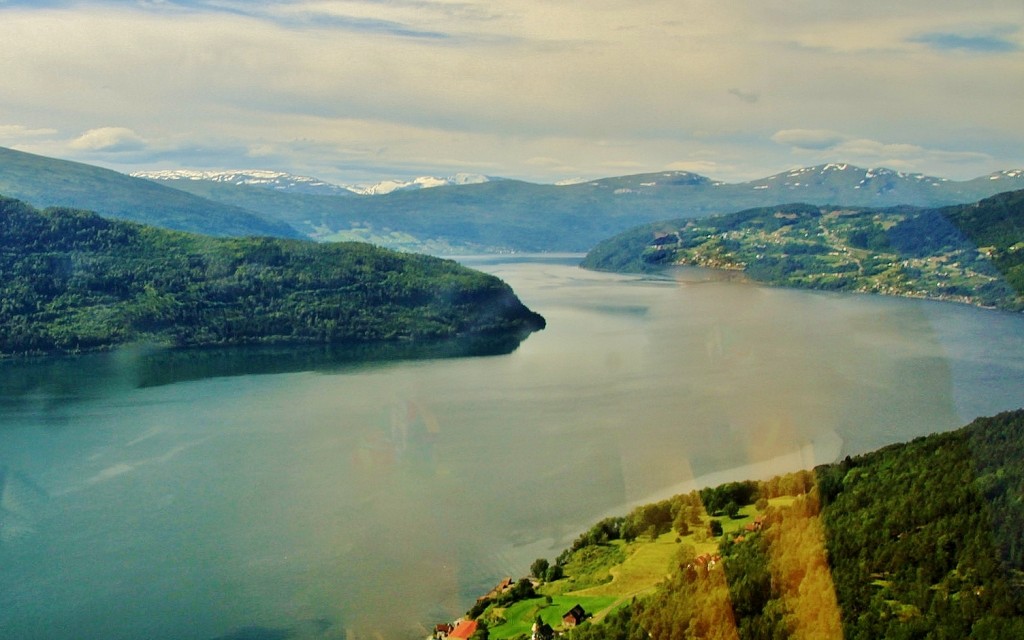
x: 74, y: 281
x: 916, y: 540
x: 968, y: 253
x: 48, y: 182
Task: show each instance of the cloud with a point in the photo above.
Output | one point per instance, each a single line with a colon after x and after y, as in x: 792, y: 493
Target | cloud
x: 17, y: 131
x: 403, y: 85
x: 809, y: 138
x: 834, y: 146
x: 750, y: 97
x: 543, y: 161
x: 108, y: 139
x: 997, y: 41
x: 703, y: 167
x: 625, y: 165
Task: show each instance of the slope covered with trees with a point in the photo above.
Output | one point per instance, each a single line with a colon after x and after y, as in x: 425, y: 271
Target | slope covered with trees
x: 74, y: 281
x: 968, y: 253
x: 917, y: 540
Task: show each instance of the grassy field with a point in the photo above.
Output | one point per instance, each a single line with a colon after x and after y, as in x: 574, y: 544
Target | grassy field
x: 521, y: 615
x: 602, y: 578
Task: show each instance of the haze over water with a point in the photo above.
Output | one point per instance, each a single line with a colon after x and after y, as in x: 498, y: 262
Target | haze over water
x: 345, y: 500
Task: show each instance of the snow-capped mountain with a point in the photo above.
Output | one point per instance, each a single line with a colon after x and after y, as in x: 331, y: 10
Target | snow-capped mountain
x: 524, y: 216
x: 843, y: 175
x: 281, y: 181
x: 424, y: 182
x: 1002, y: 175
x: 276, y: 180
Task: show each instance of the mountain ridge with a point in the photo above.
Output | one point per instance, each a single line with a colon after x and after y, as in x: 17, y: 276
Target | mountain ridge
x: 508, y: 215
x: 50, y: 182
x: 283, y: 181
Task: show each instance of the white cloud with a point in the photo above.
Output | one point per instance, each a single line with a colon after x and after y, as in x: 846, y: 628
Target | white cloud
x: 809, y: 138
x: 825, y: 145
x: 703, y: 167
x: 109, y: 139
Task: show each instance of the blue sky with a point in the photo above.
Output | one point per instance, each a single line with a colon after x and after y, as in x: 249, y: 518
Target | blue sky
x: 361, y: 90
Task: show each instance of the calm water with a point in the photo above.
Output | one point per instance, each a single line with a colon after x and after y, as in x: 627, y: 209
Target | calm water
x: 326, y: 497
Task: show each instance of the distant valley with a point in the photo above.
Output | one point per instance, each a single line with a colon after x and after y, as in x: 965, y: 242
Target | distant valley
x: 516, y: 216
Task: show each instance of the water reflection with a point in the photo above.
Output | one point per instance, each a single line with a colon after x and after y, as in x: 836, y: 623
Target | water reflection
x: 59, y: 380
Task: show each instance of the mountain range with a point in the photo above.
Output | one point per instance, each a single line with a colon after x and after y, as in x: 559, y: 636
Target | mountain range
x: 464, y: 213
x: 281, y: 181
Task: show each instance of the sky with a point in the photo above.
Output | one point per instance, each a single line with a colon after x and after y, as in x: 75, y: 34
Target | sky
x: 355, y: 91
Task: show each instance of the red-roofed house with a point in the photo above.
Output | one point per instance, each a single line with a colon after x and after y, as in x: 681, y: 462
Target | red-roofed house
x: 463, y: 630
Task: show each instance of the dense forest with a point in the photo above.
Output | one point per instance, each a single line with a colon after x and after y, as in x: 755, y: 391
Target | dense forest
x: 968, y: 253
x: 917, y: 540
x: 73, y: 281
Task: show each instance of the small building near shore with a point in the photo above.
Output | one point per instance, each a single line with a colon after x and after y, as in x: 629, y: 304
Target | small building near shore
x: 573, y: 617
x: 463, y: 630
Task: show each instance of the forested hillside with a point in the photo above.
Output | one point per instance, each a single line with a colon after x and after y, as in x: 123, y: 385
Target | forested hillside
x: 917, y: 540
x: 74, y: 281
x: 968, y: 253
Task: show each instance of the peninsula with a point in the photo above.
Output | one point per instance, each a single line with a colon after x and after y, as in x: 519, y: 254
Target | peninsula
x: 75, y: 282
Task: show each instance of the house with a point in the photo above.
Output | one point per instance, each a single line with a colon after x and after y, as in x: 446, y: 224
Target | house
x: 503, y: 586
x: 707, y: 561
x: 442, y: 631
x: 463, y: 630
x: 573, y: 617
x: 756, y: 525
x: 542, y: 631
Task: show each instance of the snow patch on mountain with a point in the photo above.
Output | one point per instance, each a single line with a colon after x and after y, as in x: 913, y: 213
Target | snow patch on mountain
x: 277, y: 180
x: 424, y: 182
x: 288, y: 182
x: 1012, y: 173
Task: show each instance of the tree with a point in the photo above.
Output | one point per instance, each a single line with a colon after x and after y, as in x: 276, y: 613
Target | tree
x: 554, y: 572
x: 715, y: 527
x: 539, y: 568
x: 732, y: 510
